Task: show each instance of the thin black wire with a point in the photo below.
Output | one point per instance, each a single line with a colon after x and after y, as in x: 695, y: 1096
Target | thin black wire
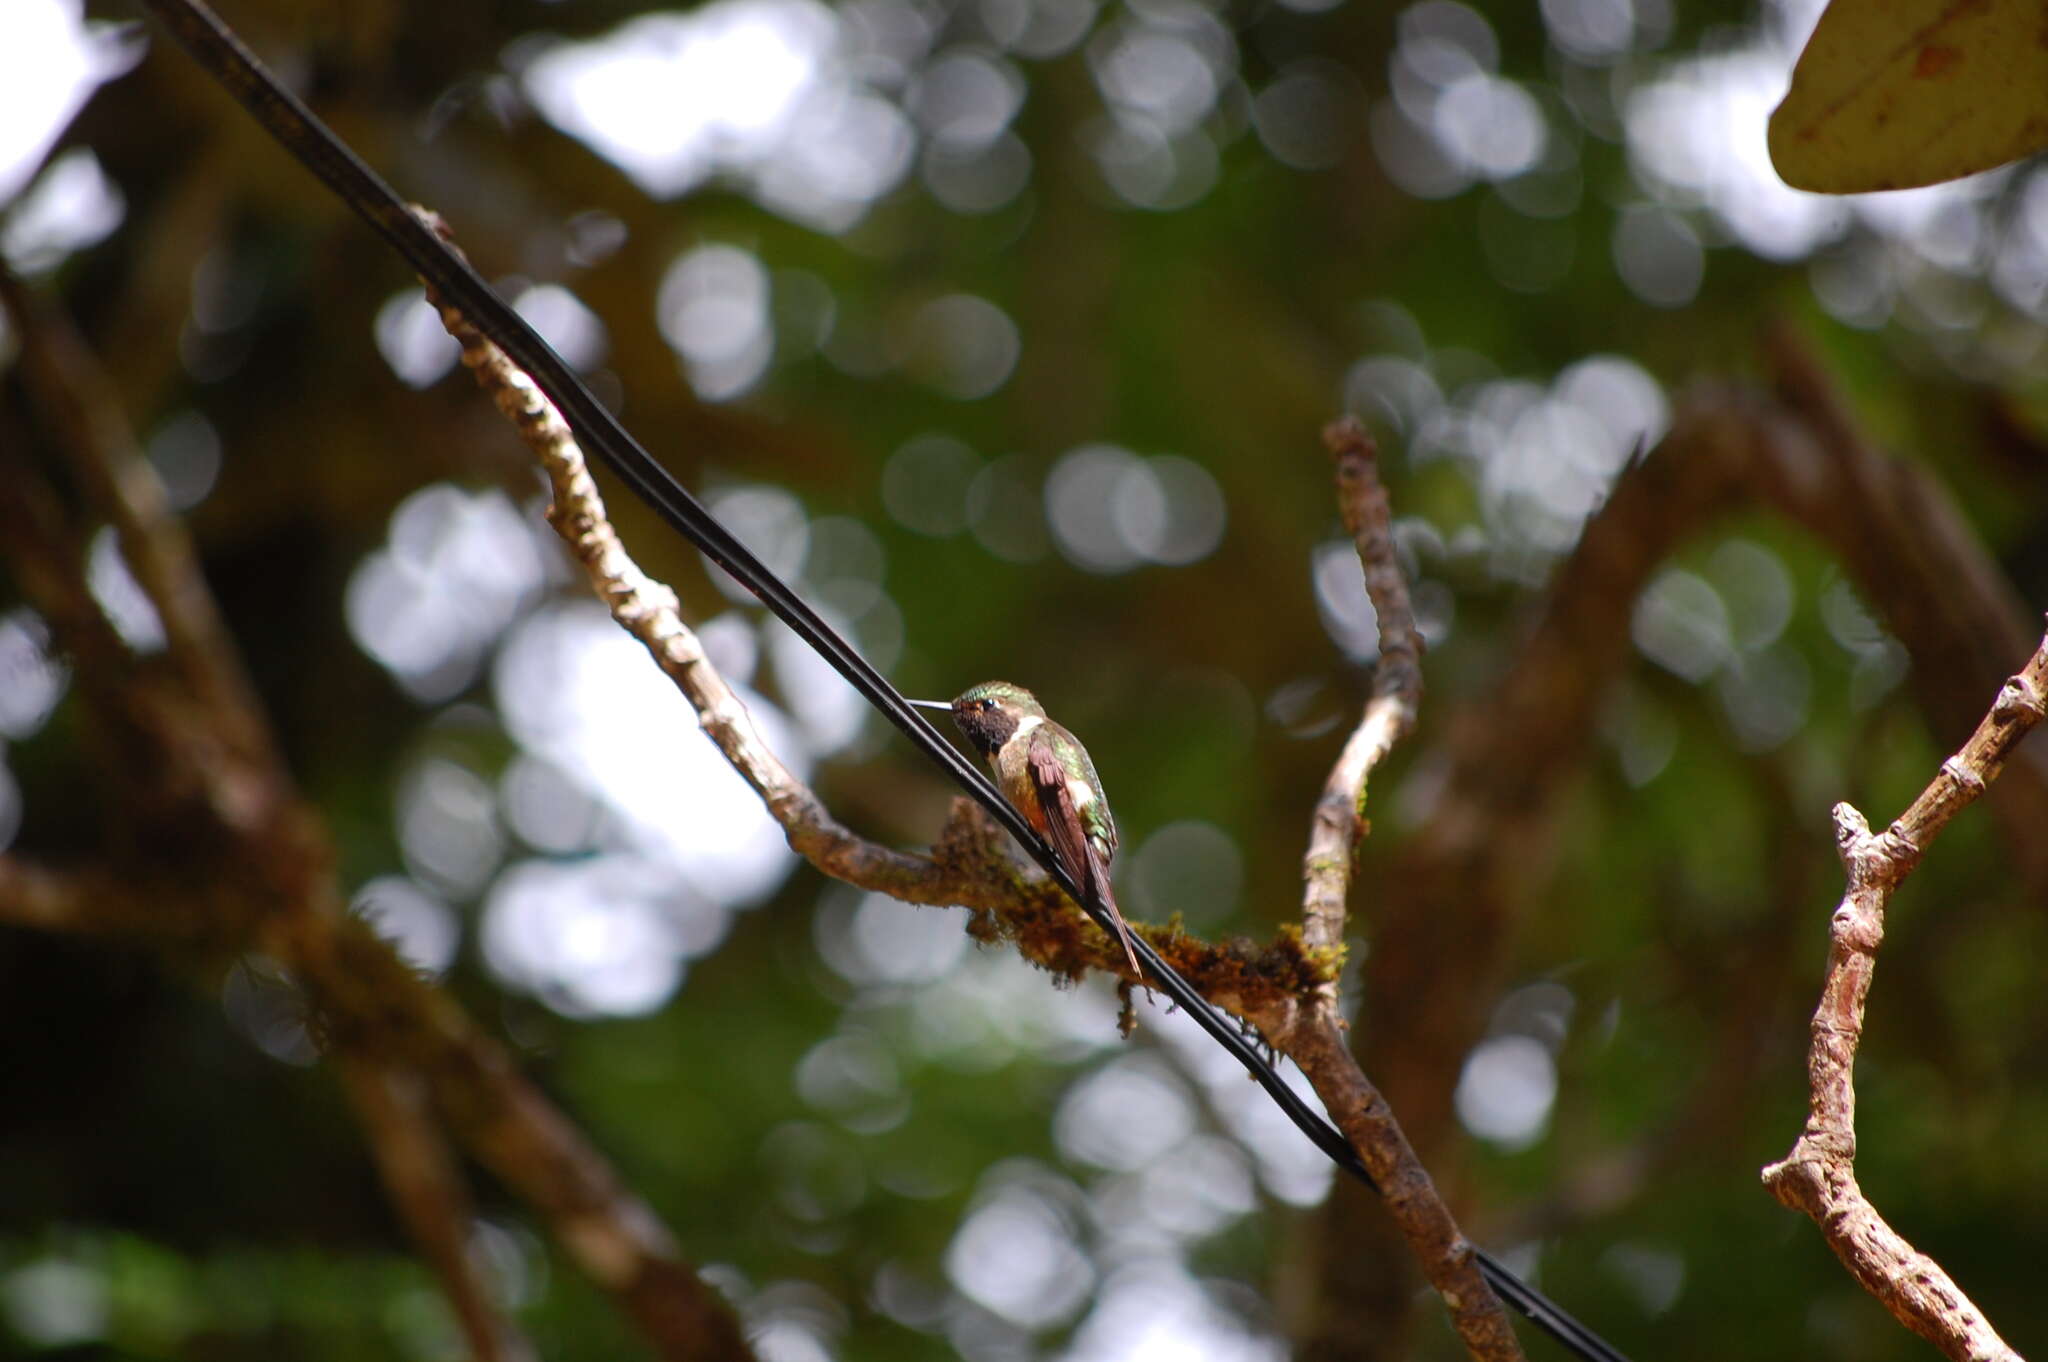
x: 308, y: 139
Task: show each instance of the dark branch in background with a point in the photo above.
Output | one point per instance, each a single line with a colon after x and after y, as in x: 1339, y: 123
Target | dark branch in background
x: 1925, y: 573
x: 227, y: 857
x: 301, y: 133
x: 1745, y: 991
x: 1442, y: 941
x: 1819, y: 1175
x: 426, y: 1188
x: 73, y: 391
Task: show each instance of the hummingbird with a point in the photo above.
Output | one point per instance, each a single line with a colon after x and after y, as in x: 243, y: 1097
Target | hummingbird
x: 1045, y: 773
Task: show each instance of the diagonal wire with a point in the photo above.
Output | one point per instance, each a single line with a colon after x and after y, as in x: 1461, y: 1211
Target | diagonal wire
x: 315, y: 146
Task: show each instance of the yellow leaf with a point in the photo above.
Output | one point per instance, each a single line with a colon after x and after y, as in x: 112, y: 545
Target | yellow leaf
x: 1895, y: 93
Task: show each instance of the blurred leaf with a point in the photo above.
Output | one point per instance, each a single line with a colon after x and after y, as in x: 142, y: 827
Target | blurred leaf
x: 1890, y: 94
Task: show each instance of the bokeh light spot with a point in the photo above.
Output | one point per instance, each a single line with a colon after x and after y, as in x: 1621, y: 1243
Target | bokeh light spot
x: 185, y: 452
x: 71, y: 206
x: 964, y: 346
x: 264, y: 1003
x: 769, y: 521
x: 1506, y: 1091
x: 925, y: 484
x: 49, y: 65
x: 1658, y: 255
x: 1004, y: 507
x: 56, y: 1303
x: 1125, y: 1115
x: 760, y: 92
x: 1111, y: 511
x: 1681, y: 624
x: 1016, y: 1254
x: 966, y: 98
x: 1189, y: 867
x: 713, y: 309
x: 32, y: 677
x: 582, y: 937
x: 1149, y: 168
x: 448, y: 827
x: 977, y: 179
x: 1305, y: 115
x: 456, y: 570
x: 571, y: 329
x: 128, y: 608
x: 402, y: 911
x: 412, y: 340
x: 1491, y: 125
x: 1766, y: 696
x: 574, y: 689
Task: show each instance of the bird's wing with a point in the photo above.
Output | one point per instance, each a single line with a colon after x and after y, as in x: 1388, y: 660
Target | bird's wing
x: 1063, y: 830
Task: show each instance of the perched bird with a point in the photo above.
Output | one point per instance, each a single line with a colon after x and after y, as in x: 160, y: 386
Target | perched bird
x: 1045, y: 773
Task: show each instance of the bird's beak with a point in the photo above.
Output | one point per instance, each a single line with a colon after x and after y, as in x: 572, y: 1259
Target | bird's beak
x: 946, y: 705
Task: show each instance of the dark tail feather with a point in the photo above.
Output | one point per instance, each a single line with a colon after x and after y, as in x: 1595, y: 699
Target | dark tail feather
x: 1100, y: 872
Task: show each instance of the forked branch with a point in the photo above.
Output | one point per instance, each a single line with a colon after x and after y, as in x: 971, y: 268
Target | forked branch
x: 1315, y: 1038
x: 1819, y: 1175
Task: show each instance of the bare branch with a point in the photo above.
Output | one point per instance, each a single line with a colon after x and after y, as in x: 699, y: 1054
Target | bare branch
x: 1404, y: 1185
x: 1819, y: 1176
x: 1363, y: 502
x: 1397, y: 686
x: 1314, y: 1036
x: 373, y: 1009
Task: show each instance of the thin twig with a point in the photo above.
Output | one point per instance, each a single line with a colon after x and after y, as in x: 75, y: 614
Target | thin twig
x: 1411, y: 1198
x: 1396, y: 692
x: 647, y: 609
x: 1819, y: 1175
x: 1315, y: 1041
